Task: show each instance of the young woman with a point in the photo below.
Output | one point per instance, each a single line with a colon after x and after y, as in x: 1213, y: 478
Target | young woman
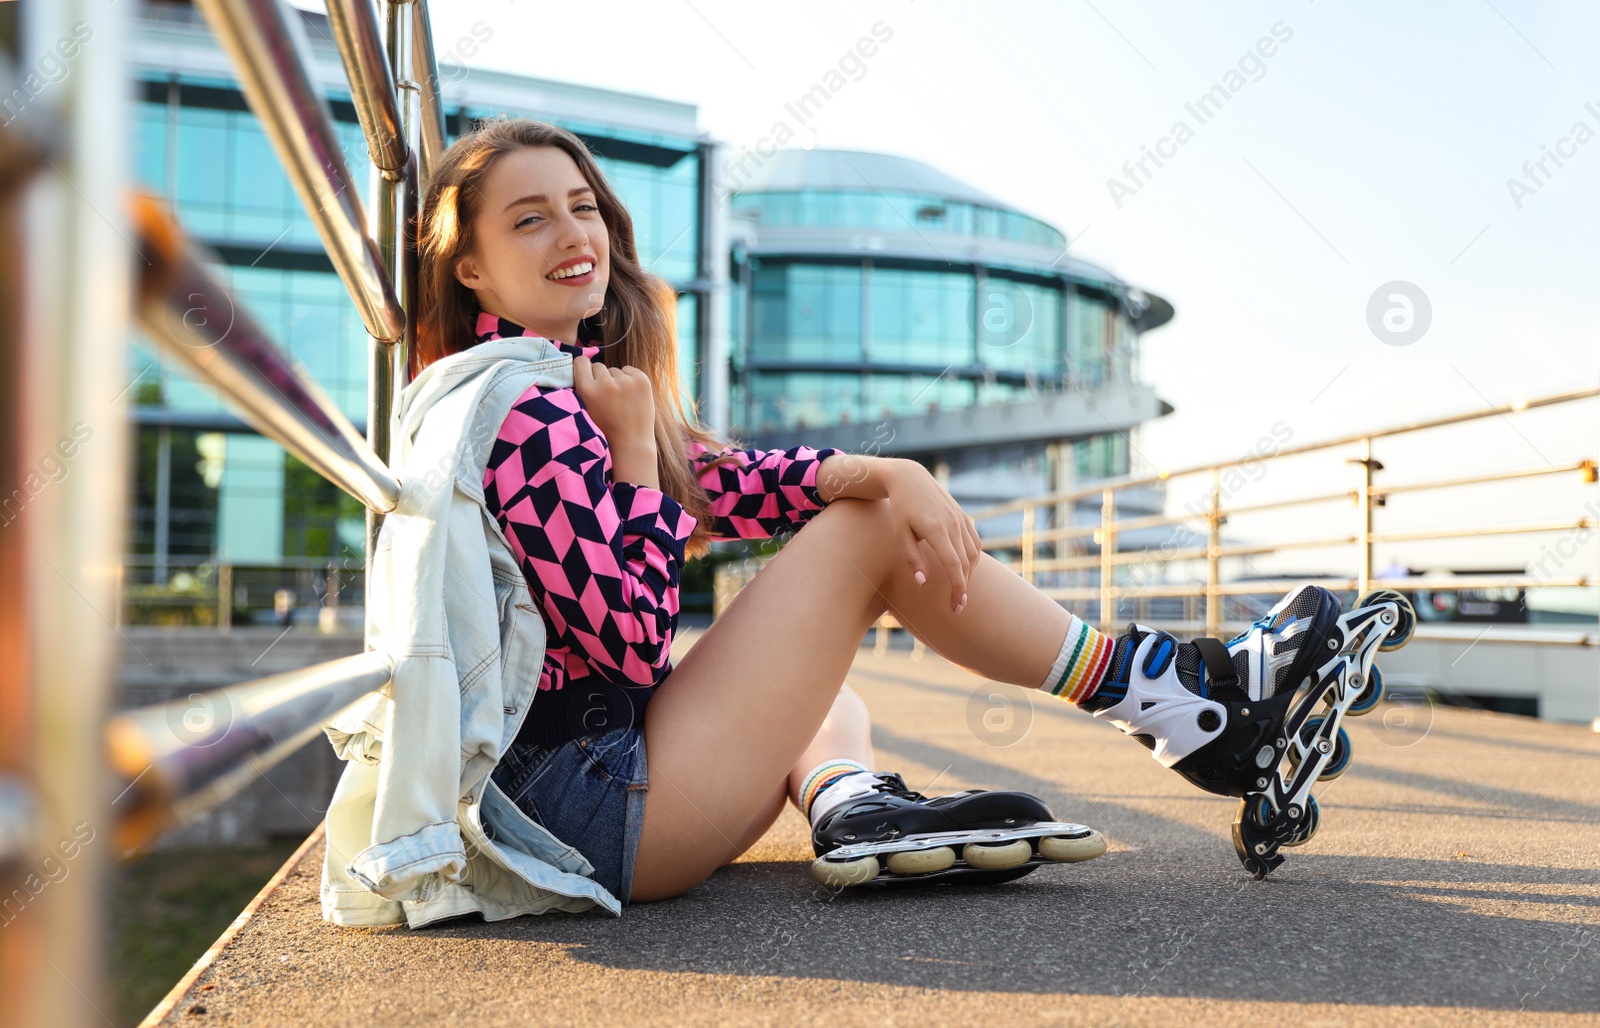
x: 605, y: 489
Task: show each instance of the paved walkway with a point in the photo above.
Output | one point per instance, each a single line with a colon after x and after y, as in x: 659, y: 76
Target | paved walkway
x: 1456, y: 880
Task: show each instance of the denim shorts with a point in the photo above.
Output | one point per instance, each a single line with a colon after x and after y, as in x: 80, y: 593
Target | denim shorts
x: 589, y: 793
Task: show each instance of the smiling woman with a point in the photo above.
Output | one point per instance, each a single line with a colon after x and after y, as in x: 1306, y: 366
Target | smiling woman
x: 604, y: 488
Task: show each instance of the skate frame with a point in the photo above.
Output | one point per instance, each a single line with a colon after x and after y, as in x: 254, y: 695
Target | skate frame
x: 927, y: 840
x: 1361, y: 633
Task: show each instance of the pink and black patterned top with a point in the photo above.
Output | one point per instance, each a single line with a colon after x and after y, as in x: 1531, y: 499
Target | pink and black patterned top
x: 602, y: 558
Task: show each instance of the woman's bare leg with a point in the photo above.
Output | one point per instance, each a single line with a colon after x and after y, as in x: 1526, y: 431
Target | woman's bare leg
x: 741, y: 708
x: 845, y: 733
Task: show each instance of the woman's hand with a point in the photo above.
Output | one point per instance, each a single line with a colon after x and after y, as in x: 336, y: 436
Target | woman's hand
x: 924, y: 511
x: 622, y: 405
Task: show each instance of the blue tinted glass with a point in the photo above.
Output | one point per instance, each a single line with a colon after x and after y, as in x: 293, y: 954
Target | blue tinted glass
x: 1088, y: 337
x: 824, y: 309
x: 202, y: 155
x: 921, y: 317
x: 1019, y: 326
x: 150, y: 145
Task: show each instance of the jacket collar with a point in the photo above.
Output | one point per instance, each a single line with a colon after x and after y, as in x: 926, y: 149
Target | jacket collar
x: 492, y: 326
x: 454, y: 371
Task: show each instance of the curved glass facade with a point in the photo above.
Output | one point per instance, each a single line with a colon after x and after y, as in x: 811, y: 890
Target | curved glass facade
x: 897, y: 212
x: 826, y: 342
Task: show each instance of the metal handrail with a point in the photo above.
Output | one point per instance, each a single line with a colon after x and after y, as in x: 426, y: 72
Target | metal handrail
x: 1137, y: 481
x: 182, y: 758
x: 177, y: 299
x: 1366, y: 497
x: 425, y: 79
x: 271, y: 59
x: 372, y: 88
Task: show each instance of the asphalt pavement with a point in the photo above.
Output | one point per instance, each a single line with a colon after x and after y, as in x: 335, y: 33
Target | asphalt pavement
x: 1455, y: 880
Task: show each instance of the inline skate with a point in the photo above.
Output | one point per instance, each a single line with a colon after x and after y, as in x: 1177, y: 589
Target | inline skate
x: 1261, y: 716
x: 890, y: 834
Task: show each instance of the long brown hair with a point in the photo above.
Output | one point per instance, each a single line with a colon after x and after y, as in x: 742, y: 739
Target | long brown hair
x: 637, y: 324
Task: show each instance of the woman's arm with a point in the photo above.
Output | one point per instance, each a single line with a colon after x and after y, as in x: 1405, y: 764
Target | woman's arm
x: 602, y: 558
x: 760, y: 493
x: 859, y: 475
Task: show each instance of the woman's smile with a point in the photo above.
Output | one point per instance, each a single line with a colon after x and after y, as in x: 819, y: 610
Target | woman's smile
x: 577, y: 272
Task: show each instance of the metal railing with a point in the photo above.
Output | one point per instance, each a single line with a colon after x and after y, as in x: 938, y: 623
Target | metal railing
x: 207, y: 593
x: 1101, y: 598
x: 59, y: 746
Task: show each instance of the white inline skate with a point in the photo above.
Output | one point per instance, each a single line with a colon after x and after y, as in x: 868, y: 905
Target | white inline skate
x: 1259, y: 717
x: 892, y: 835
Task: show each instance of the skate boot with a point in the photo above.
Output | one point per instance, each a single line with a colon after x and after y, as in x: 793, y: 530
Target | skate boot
x: 889, y: 834
x: 1259, y: 717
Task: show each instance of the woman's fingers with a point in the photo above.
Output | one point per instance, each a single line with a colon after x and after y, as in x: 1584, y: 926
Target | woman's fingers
x: 955, y: 567
x: 919, y: 570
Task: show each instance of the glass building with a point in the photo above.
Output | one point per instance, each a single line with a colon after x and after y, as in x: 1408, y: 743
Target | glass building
x: 834, y: 298
x: 207, y: 488
x: 881, y: 305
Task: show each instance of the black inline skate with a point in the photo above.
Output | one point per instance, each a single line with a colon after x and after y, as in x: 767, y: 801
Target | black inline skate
x: 891, y: 834
x: 1245, y: 718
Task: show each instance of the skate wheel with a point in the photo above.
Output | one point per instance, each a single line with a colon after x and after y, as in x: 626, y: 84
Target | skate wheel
x: 997, y: 855
x: 1309, y: 826
x: 1369, y: 696
x: 1400, y: 632
x: 921, y: 862
x: 1340, y: 759
x: 1059, y: 847
x: 1258, y: 811
x: 845, y: 872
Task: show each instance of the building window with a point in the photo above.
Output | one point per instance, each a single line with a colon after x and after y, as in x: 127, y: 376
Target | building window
x: 922, y: 317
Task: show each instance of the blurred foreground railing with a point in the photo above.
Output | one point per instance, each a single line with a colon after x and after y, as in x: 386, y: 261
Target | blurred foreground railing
x: 94, y: 253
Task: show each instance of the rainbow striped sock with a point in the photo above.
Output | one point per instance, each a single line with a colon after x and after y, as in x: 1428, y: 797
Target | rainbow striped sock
x: 823, y: 775
x: 1081, y: 665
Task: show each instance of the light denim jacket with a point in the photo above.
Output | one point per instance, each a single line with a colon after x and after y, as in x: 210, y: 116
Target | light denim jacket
x: 417, y: 830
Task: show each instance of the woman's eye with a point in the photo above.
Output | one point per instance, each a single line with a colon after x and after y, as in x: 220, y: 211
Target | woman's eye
x: 585, y: 206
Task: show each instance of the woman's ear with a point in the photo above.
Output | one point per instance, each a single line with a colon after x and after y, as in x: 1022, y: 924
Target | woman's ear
x: 467, y: 273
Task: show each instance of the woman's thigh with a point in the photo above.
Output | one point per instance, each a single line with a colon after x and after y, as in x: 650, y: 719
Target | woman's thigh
x: 726, y: 726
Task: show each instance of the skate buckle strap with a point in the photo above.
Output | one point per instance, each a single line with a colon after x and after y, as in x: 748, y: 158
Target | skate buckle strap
x: 1214, y: 655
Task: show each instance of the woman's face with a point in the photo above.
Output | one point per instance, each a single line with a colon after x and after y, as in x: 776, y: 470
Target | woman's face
x: 537, y: 217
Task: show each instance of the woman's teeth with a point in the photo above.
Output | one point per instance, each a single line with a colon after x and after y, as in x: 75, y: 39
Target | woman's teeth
x: 576, y: 269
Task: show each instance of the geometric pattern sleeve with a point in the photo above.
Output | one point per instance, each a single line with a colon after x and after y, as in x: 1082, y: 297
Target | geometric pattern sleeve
x: 602, y: 559
x: 763, y: 493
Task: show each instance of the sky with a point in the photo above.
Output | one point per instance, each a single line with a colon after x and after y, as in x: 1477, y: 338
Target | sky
x: 1365, y: 143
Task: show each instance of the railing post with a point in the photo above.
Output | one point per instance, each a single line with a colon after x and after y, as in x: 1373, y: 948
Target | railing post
x: 1214, y: 556
x: 224, y: 596
x: 1108, y: 553
x: 1364, y: 515
x: 1028, y: 515
x: 396, y: 202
